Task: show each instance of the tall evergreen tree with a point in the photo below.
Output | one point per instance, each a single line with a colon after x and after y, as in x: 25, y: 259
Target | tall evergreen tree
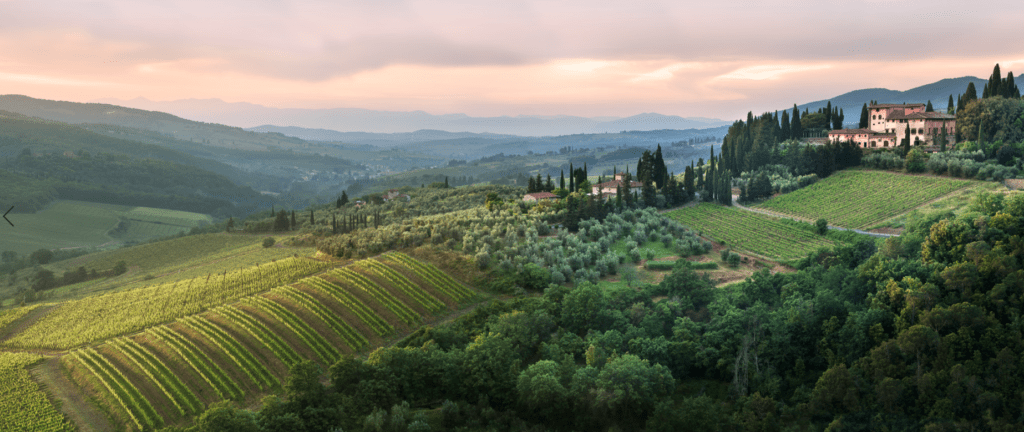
x: 531, y: 185
x: 994, y: 85
x: 572, y: 179
x: 311, y: 220
x: 970, y: 95
x: 293, y: 219
x: 561, y: 180
x: 929, y: 107
x: 446, y: 186
x: 905, y: 143
x: 1010, y: 89
x: 549, y: 185
x: 784, y: 131
x: 660, y: 170
x: 281, y: 221
x: 950, y: 109
x: 865, y: 118
x: 688, y: 182
x: 795, y: 129
x: 828, y: 114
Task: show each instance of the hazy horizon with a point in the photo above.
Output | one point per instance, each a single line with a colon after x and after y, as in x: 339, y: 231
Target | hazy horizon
x: 586, y: 59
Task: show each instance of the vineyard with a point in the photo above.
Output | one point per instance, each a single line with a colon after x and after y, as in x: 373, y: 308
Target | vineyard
x: 10, y: 315
x: 33, y: 411
x: 862, y: 199
x: 210, y: 352
x: 753, y: 232
x: 93, y: 319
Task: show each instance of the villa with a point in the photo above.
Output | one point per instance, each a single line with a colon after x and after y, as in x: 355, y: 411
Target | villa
x: 889, y: 122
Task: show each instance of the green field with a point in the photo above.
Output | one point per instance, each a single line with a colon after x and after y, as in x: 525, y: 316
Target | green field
x: 77, y: 224
x: 770, y: 237
x: 863, y: 199
x: 185, y: 346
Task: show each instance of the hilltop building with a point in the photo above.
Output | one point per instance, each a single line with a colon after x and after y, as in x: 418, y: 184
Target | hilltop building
x: 611, y: 188
x: 889, y: 122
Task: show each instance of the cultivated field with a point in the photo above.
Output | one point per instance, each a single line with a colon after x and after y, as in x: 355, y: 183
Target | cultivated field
x: 862, y: 199
x: 26, y: 406
x: 764, y: 235
x: 73, y: 224
x: 168, y: 351
x: 239, y: 350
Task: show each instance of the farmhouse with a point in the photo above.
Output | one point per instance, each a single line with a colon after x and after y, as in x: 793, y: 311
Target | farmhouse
x: 611, y: 188
x: 539, y: 196
x: 889, y: 122
x: 394, y: 194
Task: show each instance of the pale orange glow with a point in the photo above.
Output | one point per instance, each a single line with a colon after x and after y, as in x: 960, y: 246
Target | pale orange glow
x: 577, y: 58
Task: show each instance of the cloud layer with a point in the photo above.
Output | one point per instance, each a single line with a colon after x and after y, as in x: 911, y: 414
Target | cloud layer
x: 715, y: 59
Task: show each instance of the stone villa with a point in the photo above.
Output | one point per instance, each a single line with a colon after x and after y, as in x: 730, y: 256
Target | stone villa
x: 610, y: 188
x: 888, y: 124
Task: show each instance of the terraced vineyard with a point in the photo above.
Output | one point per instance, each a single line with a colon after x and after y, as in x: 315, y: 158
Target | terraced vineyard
x: 18, y: 390
x: 169, y: 372
x: 862, y: 199
x: 92, y: 319
x: 753, y: 232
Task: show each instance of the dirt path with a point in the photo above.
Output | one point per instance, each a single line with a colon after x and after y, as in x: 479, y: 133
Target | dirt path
x: 75, y: 406
x: 736, y: 204
x: 24, y: 322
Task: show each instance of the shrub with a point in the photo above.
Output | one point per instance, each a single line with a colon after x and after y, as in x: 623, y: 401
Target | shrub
x: 822, y: 226
x: 710, y: 265
x: 634, y: 254
x: 268, y: 242
x: 659, y: 265
x: 733, y: 259
x: 725, y: 254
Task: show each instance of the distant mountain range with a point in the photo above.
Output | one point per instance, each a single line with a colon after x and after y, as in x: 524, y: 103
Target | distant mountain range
x: 937, y: 92
x: 247, y: 115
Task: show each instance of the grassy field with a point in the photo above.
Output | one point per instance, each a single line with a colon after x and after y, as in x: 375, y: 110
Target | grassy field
x: 161, y: 262
x: 75, y: 224
x: 773, y: 238
x: 862, y: 199
x: 165, y: 374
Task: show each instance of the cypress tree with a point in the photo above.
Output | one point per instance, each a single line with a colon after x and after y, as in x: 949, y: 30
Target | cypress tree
x: 865, y: 118
x: 784, y: 131
x: 688, y: 182
x: 531, y: 185
x: 970, y: 95
x: 949, y: 105
x: 906, y: 141
x: 929, y: 107
x: 994, y: 86
x: 660, y: 170
x: 1010, y: 89
x: 446, y: 182
x: 795, y: 128
x: 311, y: 220
x: 561, y: 180
x: 572, y: 179
x: 549, y: 185
x: 293, y: 219
x: 828, y: 114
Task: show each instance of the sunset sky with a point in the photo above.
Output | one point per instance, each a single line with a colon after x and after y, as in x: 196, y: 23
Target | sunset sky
x: 488, y: 58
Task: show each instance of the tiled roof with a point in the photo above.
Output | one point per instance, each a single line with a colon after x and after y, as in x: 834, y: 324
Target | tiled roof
x: 895, y: 105
x: 851, y: 131
x: 934, y: 115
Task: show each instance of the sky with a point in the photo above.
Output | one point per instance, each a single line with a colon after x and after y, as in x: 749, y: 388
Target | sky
x: 587, y: 58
